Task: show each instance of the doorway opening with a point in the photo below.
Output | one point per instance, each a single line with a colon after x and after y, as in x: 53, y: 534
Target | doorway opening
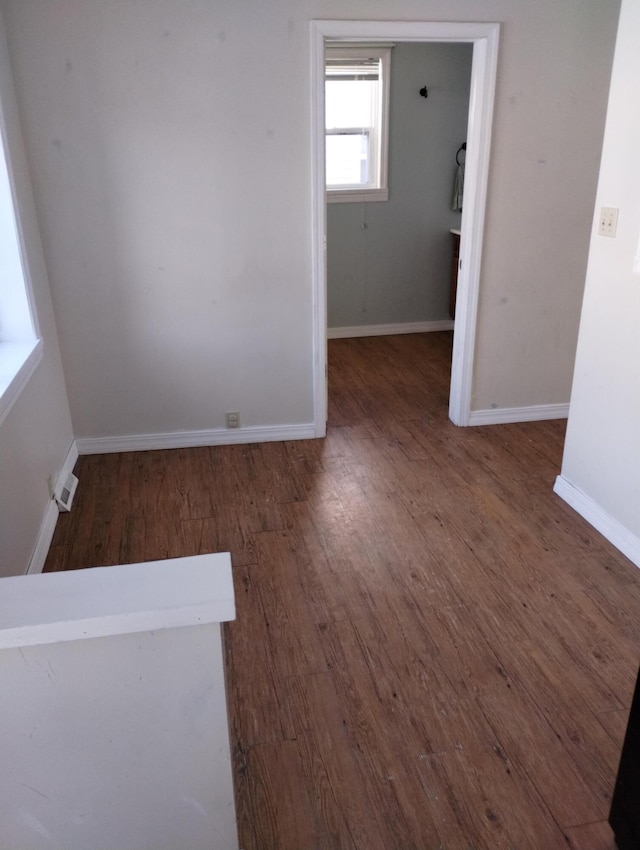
x: 484, y: 38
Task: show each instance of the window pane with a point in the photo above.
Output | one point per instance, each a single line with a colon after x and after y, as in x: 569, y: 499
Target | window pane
x: 350, y: 103
x: 347, y: 159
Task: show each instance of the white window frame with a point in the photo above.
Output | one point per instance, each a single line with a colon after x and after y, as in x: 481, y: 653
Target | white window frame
x: 21, y: 347
x: 379, y: 140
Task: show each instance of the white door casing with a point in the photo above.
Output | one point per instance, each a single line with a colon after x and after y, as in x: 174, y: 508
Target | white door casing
x: 484, y: 37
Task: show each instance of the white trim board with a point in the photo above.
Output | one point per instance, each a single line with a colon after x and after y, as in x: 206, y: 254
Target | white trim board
x: 45, y: 536
x: 616, y: 533
x: 48, y: 526
x: 189, y: 439
x: 504, y: 415
x: 352, y: 331
x: 117, y: 600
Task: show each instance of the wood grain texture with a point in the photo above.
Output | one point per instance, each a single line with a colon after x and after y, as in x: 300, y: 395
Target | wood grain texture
x: 432, y: 650
x: 591, y: 836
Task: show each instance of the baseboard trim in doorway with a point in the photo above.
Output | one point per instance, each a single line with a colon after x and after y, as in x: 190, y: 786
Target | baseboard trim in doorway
x: 504, y: 415
x: 616, y: 533
x: 389, y: 330
x: 190, y: 439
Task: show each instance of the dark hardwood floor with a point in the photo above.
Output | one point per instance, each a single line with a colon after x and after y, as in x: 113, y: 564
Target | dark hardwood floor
x: 431, y: 649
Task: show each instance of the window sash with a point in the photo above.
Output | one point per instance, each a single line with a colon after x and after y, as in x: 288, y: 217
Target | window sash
x: 348, y: 64
x: 360, y: 162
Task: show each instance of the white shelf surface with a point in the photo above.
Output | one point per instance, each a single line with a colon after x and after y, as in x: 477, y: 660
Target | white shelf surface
x: 103, y: 601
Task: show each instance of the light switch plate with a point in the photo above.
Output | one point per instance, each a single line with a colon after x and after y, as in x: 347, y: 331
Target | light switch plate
x: 608, y: 222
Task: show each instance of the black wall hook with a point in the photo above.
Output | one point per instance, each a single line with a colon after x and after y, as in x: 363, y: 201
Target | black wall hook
x: 462, y: 147
x: 424, y: 92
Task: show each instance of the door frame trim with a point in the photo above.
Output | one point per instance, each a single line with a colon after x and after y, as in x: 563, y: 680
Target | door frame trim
x: 485, y: 38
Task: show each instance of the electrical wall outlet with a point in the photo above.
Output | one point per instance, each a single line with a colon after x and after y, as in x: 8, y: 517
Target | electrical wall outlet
x: 232, y: 419
x: 608, y: 222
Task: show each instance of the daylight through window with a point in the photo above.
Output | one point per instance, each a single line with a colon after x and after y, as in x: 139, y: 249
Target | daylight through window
x: 356, y: 123
x: 20, y: 348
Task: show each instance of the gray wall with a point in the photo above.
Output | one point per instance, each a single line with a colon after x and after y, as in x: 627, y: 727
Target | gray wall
x: 170, y: 150
x: 397, y: 268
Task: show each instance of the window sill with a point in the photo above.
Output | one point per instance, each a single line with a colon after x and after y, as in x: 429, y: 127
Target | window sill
x: 18, y: 362
x: 356, y: 196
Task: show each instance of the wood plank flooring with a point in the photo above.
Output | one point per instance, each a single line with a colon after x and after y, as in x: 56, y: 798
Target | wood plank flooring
x: 431, y: 650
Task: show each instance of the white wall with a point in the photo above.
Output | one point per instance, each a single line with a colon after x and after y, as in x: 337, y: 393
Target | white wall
x: 36, y: 435
x: 113, y: 720
x: 171, y: 146
x: 398, y: 268
x: 601, y: 465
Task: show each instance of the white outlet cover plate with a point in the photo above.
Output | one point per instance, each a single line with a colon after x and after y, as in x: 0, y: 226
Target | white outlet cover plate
x: 608, y: 221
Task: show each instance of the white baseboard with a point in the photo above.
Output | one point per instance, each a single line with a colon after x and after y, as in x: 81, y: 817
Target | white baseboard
x: 504, y: 415
x: 189, y: 439
x: 48, y: 526
x: 616, y: 533
x: 70, y: 460
x: 389, y: 330
x: 36, y: 564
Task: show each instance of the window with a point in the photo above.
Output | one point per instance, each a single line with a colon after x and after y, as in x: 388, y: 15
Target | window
x: 356, y: 123
x: 20, y: 348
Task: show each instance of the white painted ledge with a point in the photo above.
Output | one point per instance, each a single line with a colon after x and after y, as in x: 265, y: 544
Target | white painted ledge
x: 120, y: 742
x: 103, y: 601
x: 18, y: 362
